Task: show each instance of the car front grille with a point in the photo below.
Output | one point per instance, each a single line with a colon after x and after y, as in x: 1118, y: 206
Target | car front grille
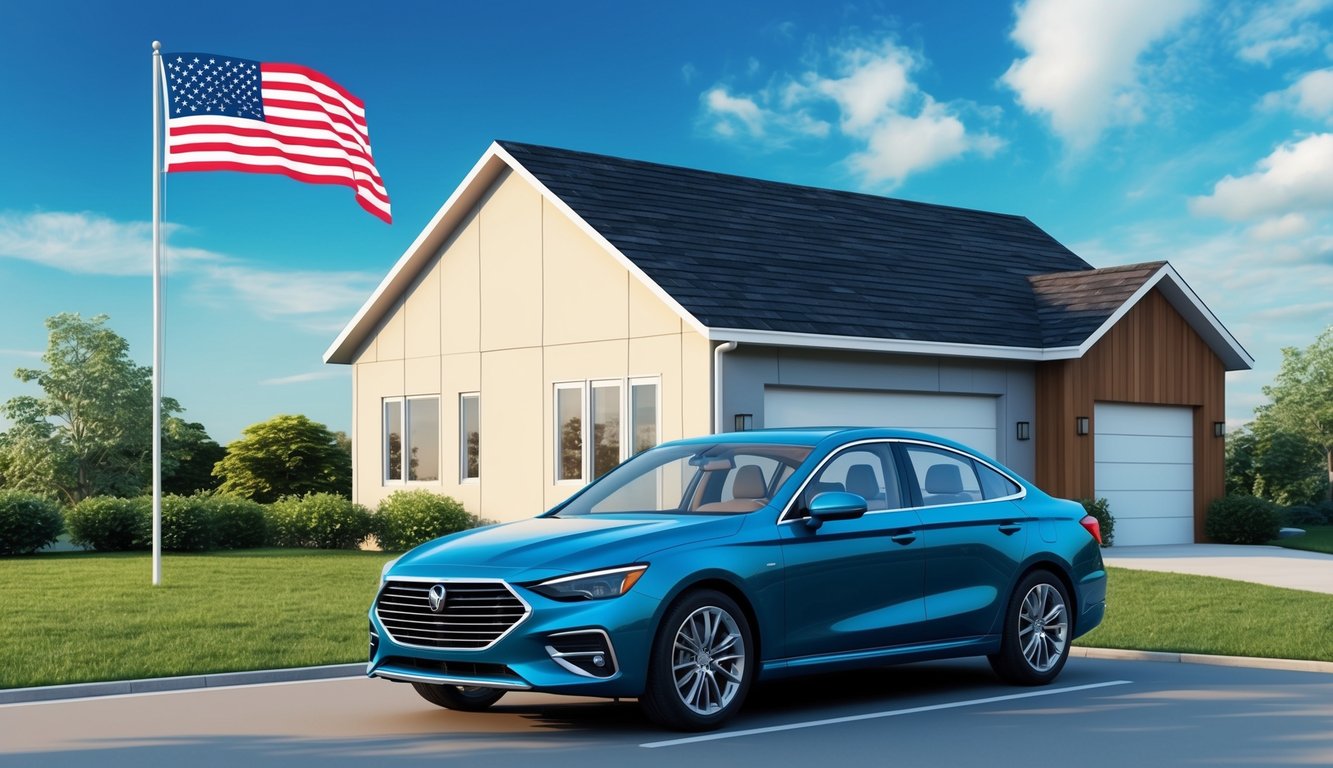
x: 474, y: 614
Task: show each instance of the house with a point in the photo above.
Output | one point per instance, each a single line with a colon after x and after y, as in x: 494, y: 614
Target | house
x: 564, y: 310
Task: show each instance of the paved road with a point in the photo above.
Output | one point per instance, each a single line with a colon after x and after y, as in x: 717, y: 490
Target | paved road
x: 938, y: 714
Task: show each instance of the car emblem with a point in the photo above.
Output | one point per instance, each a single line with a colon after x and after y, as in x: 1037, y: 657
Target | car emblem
x: 437, y: 594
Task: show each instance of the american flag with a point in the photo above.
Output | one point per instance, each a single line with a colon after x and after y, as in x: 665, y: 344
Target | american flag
x: 230, y: 114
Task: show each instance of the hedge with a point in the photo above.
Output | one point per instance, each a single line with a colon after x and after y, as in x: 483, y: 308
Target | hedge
x: 408, y: 518
x: 28, y: 522
x: 1242, y: 520
x: 318, y: 521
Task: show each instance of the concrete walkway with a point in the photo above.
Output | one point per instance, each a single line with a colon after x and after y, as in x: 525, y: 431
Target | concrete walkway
x: 1276, y: 566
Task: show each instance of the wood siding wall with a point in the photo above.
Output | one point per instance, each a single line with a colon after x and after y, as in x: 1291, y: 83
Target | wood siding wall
x: 1152, y: 357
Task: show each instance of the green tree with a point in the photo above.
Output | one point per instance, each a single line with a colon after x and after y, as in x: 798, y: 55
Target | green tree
x: 285, y: 456
x: 89, y: 433
x: 1302, y: 395
x: 188, y: 457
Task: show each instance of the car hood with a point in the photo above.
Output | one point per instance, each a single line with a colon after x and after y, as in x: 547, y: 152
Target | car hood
x: 546, y: 547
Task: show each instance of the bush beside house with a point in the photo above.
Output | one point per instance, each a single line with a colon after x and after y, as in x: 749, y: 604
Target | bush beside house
x: 1242, y: 520
x: 408, y: 518
x: 28, y: 522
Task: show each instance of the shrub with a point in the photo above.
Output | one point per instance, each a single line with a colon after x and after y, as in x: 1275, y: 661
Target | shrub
x: 1325, y: 508
x: 187, y: 523
x: 28, y: 522
x: 1242, y: 520
x: 109, y: 524
x: 408, y: 518
x: 1101, y: 509
x: 238, y: 523
x: 318, y: 521
x: 1301, y: 515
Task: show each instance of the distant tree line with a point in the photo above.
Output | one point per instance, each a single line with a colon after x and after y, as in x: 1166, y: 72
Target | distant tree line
x: 89, y: 433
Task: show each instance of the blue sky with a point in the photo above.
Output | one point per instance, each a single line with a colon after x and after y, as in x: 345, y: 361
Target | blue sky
x: 1198, y: 131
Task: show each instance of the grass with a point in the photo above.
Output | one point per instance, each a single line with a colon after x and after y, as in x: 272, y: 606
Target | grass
x: 79, y: 617
x: 1317, y: 538
x: 69, y: 618
x: 1174, y: 612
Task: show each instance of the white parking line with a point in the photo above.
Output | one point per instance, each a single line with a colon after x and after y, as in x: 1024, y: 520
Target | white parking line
x: 875, y: 715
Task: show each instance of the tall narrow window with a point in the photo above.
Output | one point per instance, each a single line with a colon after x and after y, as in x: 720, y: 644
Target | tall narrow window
x: 642, y: 414
x: 393, y: 439
x: 469, y: 427
x: 605, y: 426
x: 423, y: 439
x: 569, y: 431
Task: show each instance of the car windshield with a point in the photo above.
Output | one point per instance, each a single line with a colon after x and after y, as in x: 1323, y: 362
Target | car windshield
x: 727, y: 478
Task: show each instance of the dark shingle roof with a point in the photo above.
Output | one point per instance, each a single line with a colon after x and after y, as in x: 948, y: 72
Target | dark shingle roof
x: 1071, y: 305
x: 749, y: 254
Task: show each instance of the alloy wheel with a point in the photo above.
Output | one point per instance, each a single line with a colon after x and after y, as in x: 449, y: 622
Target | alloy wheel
x: 1043, y: 627
x: 708, y: 660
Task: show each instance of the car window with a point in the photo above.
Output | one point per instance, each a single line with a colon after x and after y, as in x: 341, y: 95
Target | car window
x: 943, y: 477
x: 767, y: 469
x: 866, y: 470
x: 995, y: 485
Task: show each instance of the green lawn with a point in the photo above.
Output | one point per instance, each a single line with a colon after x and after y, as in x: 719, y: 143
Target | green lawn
x: 1317, y: 538
x: 1199, y: 614
x: 68, y: 618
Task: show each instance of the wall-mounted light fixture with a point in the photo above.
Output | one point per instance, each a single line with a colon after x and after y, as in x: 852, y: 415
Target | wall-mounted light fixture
x: 1024, y: 430
x: 1081, y: 425
x: 744, y: 422
x: 1219, y: 429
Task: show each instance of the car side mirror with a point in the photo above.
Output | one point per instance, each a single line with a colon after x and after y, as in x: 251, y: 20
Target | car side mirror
x: 834, y: 505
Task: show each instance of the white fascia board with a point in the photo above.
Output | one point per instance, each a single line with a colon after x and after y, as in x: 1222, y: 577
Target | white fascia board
x: 485, y: 170
x: 597, y: 237
x: 1191, y: 307
x: 901, y: 346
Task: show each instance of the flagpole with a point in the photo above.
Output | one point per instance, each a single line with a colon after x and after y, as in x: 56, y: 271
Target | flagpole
x: 157, y: 313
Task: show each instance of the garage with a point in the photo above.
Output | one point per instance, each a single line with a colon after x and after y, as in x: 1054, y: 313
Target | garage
x: 1144, y: 467
x: 969, y: 419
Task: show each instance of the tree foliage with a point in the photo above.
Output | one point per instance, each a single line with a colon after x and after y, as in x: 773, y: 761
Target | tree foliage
x: 90, y: 431
x: 285, y: 456
x: 1295, y: 431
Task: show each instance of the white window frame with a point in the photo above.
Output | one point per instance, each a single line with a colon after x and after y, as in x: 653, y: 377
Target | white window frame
x: 462, y: 439
x: 586, y: 387
x: 406, y: 441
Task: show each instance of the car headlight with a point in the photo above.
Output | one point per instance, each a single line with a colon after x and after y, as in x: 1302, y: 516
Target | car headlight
x: 593, y: 585
x: 384, y: 572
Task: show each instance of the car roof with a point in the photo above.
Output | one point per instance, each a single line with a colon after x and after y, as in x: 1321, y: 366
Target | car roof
x: 816, y: 435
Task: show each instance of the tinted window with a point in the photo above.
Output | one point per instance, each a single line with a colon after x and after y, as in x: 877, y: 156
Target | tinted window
x: 943, y: 477
x: 866, y: 470
x: 994, y: 484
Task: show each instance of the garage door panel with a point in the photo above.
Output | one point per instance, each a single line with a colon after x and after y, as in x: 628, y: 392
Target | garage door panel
x: 1140, y: 450
x: 1155, y: 530
x: 1145, y: 477
x: 1130, y: 505
x: 969, y: 419
x: 1161, y: 420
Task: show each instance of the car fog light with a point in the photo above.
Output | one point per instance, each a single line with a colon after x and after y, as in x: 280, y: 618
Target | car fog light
x: 599, y: 660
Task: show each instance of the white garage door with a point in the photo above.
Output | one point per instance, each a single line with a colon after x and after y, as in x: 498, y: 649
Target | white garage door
x: 969, y: 419
x: 1145, y: 470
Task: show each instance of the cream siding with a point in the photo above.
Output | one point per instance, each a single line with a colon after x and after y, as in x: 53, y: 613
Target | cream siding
x: 518, y: 299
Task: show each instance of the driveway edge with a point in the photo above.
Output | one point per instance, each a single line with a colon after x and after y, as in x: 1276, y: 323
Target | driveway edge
x: 184, y: 683
x: 1251, y: 662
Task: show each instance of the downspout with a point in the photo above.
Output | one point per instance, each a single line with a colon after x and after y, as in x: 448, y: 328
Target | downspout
x: 718, y: 352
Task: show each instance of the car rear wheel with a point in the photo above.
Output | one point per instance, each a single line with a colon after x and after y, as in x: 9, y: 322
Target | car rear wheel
x: 1035, y: 642
x: 465, y: 698
x: 702, y: 663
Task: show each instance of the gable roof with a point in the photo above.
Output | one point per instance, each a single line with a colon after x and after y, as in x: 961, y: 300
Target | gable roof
x: 759, y: 261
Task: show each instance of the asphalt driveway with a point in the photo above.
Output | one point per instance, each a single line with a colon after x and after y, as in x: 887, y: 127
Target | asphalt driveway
x: 1099, y: 713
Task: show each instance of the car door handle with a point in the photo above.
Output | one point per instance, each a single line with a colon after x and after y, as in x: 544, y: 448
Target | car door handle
x: 903, y: 537
x: 1009, y: 529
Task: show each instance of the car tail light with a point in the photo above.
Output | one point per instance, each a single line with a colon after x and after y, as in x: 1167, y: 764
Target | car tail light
x: 1093, y: 527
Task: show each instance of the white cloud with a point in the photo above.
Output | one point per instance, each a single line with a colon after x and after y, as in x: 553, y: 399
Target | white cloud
x: 1279, y: 28
x: 1082, y: 67
x: 90, y: 243
x: 1311, y: 95
x: 1297, y: 176
x: 302, y: 378
x: 898, y: 128
x: 1282, y: 227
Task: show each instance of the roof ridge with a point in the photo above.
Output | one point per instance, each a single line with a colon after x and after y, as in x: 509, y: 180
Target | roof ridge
x: 1155, y: 265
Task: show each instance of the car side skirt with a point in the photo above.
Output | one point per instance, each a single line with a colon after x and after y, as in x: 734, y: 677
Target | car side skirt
x: 900, y: 654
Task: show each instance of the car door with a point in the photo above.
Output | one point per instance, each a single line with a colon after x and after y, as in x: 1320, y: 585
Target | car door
x: 973, y: 538
x: 853, y: 584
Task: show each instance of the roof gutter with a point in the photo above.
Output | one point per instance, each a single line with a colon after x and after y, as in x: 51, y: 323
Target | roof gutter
x: 718, y: 352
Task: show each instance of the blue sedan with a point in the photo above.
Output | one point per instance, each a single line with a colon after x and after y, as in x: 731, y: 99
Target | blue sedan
x: 699, y: 566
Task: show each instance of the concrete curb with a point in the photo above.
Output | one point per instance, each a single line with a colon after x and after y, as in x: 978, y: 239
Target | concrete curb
x: 1251, y: 662
x: 185, y: 683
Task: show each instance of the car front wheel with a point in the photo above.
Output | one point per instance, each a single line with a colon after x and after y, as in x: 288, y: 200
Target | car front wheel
x: 1035, y: 643
x: 465, y: 698
x: 702, y: 663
